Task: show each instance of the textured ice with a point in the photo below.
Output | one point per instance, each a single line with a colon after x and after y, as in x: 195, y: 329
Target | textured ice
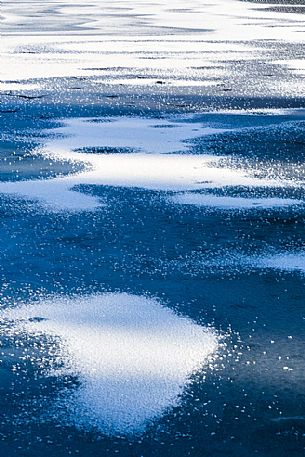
x: 132, y: 355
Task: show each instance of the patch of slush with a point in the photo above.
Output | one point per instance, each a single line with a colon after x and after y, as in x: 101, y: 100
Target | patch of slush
x: 132, y: 355
x: 229, y: 203
x: 153, y: 167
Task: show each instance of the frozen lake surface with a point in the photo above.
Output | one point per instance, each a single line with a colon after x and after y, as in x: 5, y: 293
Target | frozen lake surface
x: 152, y: 228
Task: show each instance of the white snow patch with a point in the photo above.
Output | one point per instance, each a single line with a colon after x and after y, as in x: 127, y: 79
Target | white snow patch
x: 138, y: 133
x: 133, y: 356
x: 152, y: 168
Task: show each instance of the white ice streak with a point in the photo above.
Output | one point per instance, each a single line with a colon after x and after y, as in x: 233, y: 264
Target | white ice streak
x: 150, y: 81
x: 153, y: 167
x: 232, y: 203
x: 132, y: 355
x: 17, y: 86
x: 284, y: 261
x: 297, y: 66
